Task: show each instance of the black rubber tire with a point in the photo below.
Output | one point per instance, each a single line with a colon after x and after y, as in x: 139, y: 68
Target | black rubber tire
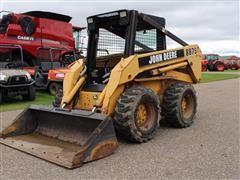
x: 210, y: 67
x: 172, y: 102
x: 54, y: 87
x: 226, y: 67
x: 204, y: 67
x: 31, y: 94
x: 125, y: 120
x: 58, y: 98
x: 234, y: 67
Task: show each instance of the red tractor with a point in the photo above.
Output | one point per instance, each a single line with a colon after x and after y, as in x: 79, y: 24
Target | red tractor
x: 50, y: 69
x: 37, y: 30
x: 204, y: 65
x: 231, y: 62
x: 212, y: 62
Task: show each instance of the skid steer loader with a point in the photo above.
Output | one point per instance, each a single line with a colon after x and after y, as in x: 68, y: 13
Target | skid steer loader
x: 128, y: 89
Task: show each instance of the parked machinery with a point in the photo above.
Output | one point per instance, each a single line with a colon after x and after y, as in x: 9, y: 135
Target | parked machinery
x: 129, y: 90
x: 13, y: 80
x: 231, y: 62
x: 204, y: 64
x: 213, y: 62
x: 37, y: 30
x: 50, y: 69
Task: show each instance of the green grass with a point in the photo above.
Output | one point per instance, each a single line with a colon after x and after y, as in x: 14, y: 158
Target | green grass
x: 217, y: 77
x: 229, y: 70
x: 43, y: 97
x: 10, y: 104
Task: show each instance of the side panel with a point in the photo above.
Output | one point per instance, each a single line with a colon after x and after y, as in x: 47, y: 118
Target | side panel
x: 188, y: 59
x: 87, y: 100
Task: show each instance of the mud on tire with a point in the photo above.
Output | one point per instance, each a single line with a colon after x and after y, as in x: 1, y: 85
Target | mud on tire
x: 58, y: 98
x: 179, y: 105
x: 54, y: 87
x: 137, y: 114
x: 31, y: 94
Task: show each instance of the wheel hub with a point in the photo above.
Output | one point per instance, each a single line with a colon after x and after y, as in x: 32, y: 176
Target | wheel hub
x: 141, y: 115
x: 220, y: 67
x: 187, y: 106
x: 184, y: 105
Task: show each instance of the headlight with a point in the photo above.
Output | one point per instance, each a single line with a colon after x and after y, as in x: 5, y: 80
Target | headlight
x: 3, y: 77
x: 28, y: 76
x: 60, y: 75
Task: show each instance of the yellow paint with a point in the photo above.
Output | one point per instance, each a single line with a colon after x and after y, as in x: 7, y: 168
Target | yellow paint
x: 69, y: 96
x: 124, y: 73
x: 153, y: 84
x: 141, y: 115
x: 87, y: 100
x: 72, y: 76
x: 180, y: 76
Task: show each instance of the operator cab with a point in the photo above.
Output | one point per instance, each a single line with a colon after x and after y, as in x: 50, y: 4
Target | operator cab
x: 211, y: 57
x: 116, y: 35
x: 120, y: 34
x: 78, y: 38
x: 5, y: 19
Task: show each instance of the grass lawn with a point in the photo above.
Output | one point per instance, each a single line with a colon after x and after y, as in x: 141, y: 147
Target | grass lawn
x: 229, y: 70
x: 42, y: 97
x: 217, y: 77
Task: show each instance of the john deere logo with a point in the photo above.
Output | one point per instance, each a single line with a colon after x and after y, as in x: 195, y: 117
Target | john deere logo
x: 156, y: 58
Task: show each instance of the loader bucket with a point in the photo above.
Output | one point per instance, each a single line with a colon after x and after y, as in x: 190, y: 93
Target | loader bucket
x: 66, y: 138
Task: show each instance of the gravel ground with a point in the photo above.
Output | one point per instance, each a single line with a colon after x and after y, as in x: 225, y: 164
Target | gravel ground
x: 208, y: 149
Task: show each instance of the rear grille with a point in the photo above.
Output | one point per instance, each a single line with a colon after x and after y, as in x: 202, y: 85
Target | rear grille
x: 18, y: 79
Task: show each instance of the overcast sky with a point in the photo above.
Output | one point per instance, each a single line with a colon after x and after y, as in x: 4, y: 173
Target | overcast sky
x: 214, y: 25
